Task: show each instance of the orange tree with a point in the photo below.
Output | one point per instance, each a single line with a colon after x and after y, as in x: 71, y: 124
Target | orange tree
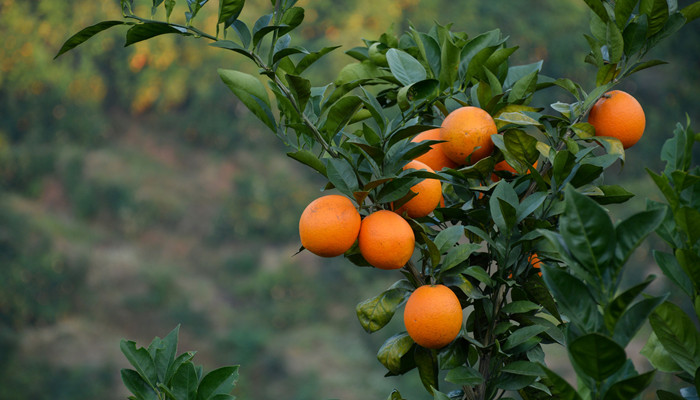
x: 477, y: 244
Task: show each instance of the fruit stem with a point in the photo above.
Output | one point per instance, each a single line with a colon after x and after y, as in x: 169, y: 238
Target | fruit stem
x: 414, y: 272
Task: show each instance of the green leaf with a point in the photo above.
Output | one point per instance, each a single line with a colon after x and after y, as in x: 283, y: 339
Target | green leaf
x: 517, y: 118
x: 673, y: 270
x: 311, y: 58
x: 292, y: 18
x: 141, y: 360
x: 523, y: 88
x: 175, y: 366
x: 522, y: 150
x: 449, y: 63
x: 629, y: 388
x: 340, y: 114
x: 251, y: 92
x: 635, y: 35
x: 538, y: 292
x: 233, y: 46
x: 149, y: 30
x: 522, y: 335
x: 526, y: 368
x: 632, y: 231
x: 612, y: 194
x: 448, y: 237
x: 165, y: 353
x: 573, y: 297
x: 393, y: 349
x: 342, y: 176
x: 453, y: 355
x: 598, y: 9
x: 503, y: 204
x: 560, y: 388
x: 135, y: 383
x: 520, y: 306
x: 677, y: 333
x: 259, y: 28
x: 690, y: 262
x: 665, y: 395
x: 300, y: 88
x: 517, y: 72
x: 169, y: 7
x: 619, y: 304
x: 219, y: 381
x: 185, y: 382
x: 597, y: 356
x: 376, y: 312
x: 464, y: 376
x: 457, y: 255
x: 657, y: 355
x: 691, y: 11
x: 623, y: 11
x: 405, y: 68
x: 632, y: 320
x: 587, y: 232
x: 229, y: 10
x: 615, y: 43
x: 427, y: 365
x: 657, y: 12
x: 308, y: 158
x: 85, y: 34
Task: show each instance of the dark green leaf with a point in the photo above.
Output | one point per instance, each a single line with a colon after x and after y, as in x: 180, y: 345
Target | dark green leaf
x: 427, y: 365
x: 165, y: 353
x: 340, y: 114
x: 588, y: 232
x: 448, y: 237
x: 619, y: 304
x: 690, y: 262
x: 615, y: 43
x: 464, y: 376
x: 657, y: 12
x: 457, y: 255
x: 453, y: 355
x: 597, y: 356
x: 526, y: 368
x: 404, y: 67
x: 135, y: 383
x: 185, y: 382
x: 573, y: 297
x: 612, y: 194
x: 251, y: 92
x: 559, y: 386
x: 169, y: 7
x: 672, y: 269
x: 691, y: 11
x: 219, y: 381
x: 632, y: 320
x: 538, y: 292
x: 376, y: 312
x: 300, y: 88
x: 179, y: 361
x: 311, y: 58
x: 623, y: 11
x: 342, y: 176
x: 480, y: 274
x: 233, y: 46
x: 504, y: 211
x: 522, y: 335
x: 85, y: 34
x: 393, y: 349
x: 598, y: 9
x: 629, y: 388
x: 635, y: 35
x: 524, y: 87
x: 259, y: 28
x: 631, y: 232
x: 677, y: 333
x: 517, y: 72
x: 657, y: 355
x: 521, y: 150
x: 308, y: 158
x: 229, y: 10
x: 647, y: 64
x: 148, y: 30
x: 141, y: 360
x: 449, y: 62
x: 292, y: 18
x: 529, y: 205
x: 520, y: 306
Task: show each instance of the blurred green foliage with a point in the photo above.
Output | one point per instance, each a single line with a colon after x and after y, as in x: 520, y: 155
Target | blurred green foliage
x: 120, y: 165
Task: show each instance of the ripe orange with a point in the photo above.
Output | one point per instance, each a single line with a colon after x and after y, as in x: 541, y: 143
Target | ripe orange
x: 619, y: 115
x: 428, y: 197
x: 329, y: 225
x: 504, y: 166
x: 433, y: 316
x: 386, y: 240
x: 435, y: 158
x: 535, y: 262
x: 467, y: 132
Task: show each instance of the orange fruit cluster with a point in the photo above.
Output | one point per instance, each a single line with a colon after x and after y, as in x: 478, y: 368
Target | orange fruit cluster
x: 433, y: 316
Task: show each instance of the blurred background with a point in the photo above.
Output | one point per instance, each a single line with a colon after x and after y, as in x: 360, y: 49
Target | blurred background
x: 137, y: 194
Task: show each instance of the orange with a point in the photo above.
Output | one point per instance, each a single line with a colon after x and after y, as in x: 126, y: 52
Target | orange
x: 433, y: 316
x: 617, y: 114
x: 429, y: 193
x: 386, y: 240
x: 467, y: 132
x: 535, y: 262
x: 504, y: 166
x: 329, y: 225
x: 435, y: 158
